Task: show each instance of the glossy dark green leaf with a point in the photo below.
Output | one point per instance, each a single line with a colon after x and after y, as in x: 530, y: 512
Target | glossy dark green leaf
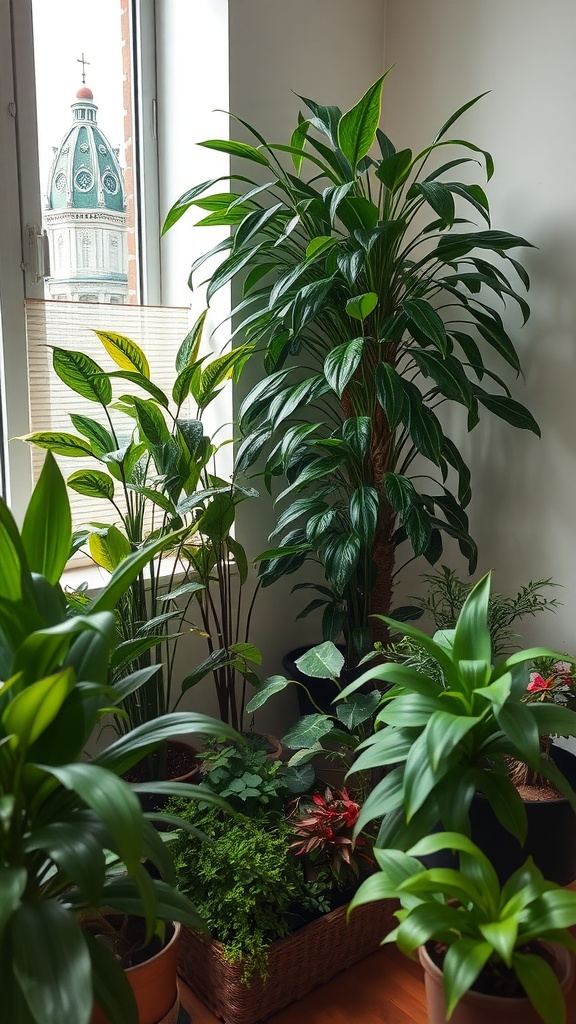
x: 47, y: 527
x: 51, y: 963
x: 390, y: 393
x: 308, y: 730
x: 438, y: 196
x: 364, y: 506
x: 357, y: 129
x: 341, y: 364
x: 427, y: 320
x: 394, y: 169
x: 507, y: 409
x: 61, y: 443
x: 324, y: 661
x: 93, y: 483
x: 83, y: 375
x: 97, y: 435
x: 111, y: 989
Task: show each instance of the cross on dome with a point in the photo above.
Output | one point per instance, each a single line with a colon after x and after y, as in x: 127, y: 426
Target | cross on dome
x: 81, y: 60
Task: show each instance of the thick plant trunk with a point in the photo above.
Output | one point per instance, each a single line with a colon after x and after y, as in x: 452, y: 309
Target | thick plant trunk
x: 383, y: 550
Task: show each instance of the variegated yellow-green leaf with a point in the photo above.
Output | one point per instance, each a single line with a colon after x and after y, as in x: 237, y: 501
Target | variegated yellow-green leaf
x: 125, y: 353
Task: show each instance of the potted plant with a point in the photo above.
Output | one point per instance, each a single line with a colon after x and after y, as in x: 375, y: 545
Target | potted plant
x: 154, y: 471
x: 272, y: 886
x: 489, y: 952
x: 448, y: 733
x: 375, y: 301
x: 72, y: 832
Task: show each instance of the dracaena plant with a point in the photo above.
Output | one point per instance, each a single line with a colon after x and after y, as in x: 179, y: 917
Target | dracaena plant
x: 448, y: 734
x: 154, y: 472
x: 72, y: 832
x: 478, y: 924
x: 376, y: 300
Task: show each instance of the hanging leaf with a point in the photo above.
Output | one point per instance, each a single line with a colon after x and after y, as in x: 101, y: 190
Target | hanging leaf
x: 92, y: 483
x: 362, y: 305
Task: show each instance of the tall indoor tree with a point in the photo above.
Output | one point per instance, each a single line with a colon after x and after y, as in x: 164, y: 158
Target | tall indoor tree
x: 374, y: 300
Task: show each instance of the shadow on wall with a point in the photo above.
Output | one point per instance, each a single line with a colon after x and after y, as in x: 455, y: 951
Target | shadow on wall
x: 524, y: 489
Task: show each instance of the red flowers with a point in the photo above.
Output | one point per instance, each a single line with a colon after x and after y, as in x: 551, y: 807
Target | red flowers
x: 560, y: 676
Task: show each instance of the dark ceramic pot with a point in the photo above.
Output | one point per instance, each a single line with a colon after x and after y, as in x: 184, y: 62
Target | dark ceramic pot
x: 551, y: 838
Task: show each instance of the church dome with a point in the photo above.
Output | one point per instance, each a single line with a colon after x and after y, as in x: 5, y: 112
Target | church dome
x: 85, y: 173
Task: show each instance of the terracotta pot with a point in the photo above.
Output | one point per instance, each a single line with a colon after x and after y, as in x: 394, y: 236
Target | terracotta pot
x: 154, y: 986
x: 478, y: 1008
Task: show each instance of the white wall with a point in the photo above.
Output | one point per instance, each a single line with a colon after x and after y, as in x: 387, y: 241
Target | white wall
x: 330, y: 51
x: 446, y: 52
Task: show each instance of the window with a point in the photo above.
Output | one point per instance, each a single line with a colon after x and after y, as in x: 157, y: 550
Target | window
x: 80, y: 191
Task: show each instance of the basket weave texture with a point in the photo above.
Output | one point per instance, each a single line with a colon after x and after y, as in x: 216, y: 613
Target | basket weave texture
x: 296, y: 964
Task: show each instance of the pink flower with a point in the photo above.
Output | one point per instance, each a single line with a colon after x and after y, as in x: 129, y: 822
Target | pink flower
x: 537, y: 683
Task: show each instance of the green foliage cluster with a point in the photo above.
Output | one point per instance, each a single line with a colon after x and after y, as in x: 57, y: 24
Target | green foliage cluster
x: 373, y: 283
x: 447, y: 594
x: 245, y: 776
x: 245, y: 880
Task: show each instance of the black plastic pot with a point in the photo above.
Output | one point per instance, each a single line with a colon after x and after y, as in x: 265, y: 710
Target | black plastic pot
x: 551, y: 838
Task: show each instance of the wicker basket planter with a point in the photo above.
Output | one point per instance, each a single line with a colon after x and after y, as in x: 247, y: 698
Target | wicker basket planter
x: 296, y: 964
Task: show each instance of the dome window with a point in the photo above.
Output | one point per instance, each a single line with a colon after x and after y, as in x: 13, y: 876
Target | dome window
x: 110, y: 183
x: 60, y: 182
x: 84, y: 147
x: 83, y: 180
x: 102, y: 149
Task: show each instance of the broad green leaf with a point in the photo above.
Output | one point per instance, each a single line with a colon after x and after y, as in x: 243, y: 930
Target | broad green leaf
x: 341, y: 364
x: 427, y: 320
x: 51, y: 963
x: 361, y: 306
x: 151, y: 420
x: 61, y: 443
x: 110, y: 549
x: 83, y: 375
x: 541, y: 986
x: 97, y: 435
x: 357, y: 127
x: 364, y: 506
x: 358, y: 708
x: 111, y: 989
x: 464, y: 961
x: 111, y: 799
x: 324, y: 661
x: 444, y: 732
x: 472, y: 636
x: 125, y: 353
x: 507, y: 409
x: 129, y: 749
x: 394, y: 169
x: 32, y: 710
x: 270, y: 686
x: 517, y: 723
x: 502, y: 936
x: 190, y: 347
x: 387, y: 796
x: 47, y: 527
x: 127, y: 571
x: 76, y: 849
x: 390, y: 393
x: 93, y: 483
x: 216, y: 522
x: 307, y: 731
x: 319, y: 246
x: 438, y: 196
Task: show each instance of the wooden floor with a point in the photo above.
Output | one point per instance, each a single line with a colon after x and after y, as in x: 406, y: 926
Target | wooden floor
x: 385, y: 988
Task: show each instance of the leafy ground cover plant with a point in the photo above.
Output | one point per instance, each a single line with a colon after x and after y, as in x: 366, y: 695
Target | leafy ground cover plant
x: 377, y: 300
x: 449, y: 735
x: 72, y: 832
x: 154, y: 469
x: 245, y: 882
x: 489, y: 933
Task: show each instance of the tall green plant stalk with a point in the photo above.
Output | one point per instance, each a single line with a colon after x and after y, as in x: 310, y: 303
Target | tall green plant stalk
x: 375, y: 300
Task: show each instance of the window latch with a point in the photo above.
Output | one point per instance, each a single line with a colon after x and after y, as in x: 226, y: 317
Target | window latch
x: 38, y: 264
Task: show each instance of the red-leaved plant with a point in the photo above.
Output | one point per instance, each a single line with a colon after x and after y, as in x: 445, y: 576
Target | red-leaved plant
x: 322, y: 827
